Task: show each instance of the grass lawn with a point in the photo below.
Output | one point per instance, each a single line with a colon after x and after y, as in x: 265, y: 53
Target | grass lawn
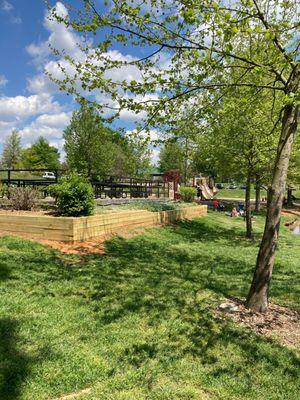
x: 137, y: 323
x: 238, y: 193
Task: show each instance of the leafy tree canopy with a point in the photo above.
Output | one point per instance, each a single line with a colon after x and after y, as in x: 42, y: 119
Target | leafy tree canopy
x: 12, y: 149
x: 41, y: 155
x: 96, y: 150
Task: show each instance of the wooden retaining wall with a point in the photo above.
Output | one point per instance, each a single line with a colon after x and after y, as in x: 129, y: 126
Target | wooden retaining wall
x: 68, y: 229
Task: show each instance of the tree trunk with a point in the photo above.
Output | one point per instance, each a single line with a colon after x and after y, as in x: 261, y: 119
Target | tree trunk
x: 185, y: 162
x: 249, y: 233
x: 289, y: 197
x: 257, y: 298
x: 257, y: 193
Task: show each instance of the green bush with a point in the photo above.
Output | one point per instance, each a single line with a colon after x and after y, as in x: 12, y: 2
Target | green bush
x: 4, y: 190
x: 187, y: 193
x: 74, y: 196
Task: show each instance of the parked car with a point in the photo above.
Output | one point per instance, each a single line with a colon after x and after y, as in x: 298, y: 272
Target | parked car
x: 49, y: 175
x: 232, y: 186
x: 219, y: 186
x: 243, y: 187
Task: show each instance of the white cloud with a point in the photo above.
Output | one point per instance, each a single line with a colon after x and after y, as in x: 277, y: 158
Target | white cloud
x: 40, y: 84
x: 20, y: 107
x: 6, y: 6
x: 5, y: 129
x: 3, y: 81
x: 60, y: 120
x: 67, y: 41
x: 50, y: 126
x: 61, y: 38
x: 155, y: 156
x: 152, y: 134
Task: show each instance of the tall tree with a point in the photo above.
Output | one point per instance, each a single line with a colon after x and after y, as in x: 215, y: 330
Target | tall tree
x: 96, y: 150
x: 12, y: 149
x: 138, y: 156
x: 88, y: 144
x: 203, y: 43
x: 171, y: 157
x: 238, y: 144
x: 41, y: 155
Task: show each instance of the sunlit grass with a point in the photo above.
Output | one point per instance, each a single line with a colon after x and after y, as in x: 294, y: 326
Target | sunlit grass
x: 137, y: 323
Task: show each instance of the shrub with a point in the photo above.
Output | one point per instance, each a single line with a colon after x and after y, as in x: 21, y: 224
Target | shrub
x: 188, y: 193
x: 158, y: 206
x: 4, y: 190
x: 74, y: 196
x: 23, y: 198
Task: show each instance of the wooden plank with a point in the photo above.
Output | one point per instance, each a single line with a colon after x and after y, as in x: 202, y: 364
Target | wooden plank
x: 82, y: 228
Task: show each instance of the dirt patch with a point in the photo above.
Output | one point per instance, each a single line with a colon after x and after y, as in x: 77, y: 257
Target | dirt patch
x: 291, y: 211
x: 279, y: 322
x: 76, y: 395
x: 92, y: 246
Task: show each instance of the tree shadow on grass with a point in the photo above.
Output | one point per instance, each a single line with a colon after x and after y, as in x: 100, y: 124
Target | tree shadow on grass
x: 173, y: 291
x: 15, y: 364
x: 4, y: 271
x: 201, y: 230
x: 150, y: 273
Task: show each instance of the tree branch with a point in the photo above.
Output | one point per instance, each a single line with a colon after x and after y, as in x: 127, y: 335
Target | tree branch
x: 275, y: 39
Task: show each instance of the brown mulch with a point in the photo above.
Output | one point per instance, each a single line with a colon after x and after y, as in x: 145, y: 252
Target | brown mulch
x: 291, y: 211
x: 278, y: 322
x: 91, y: 246
x: 76, y: 395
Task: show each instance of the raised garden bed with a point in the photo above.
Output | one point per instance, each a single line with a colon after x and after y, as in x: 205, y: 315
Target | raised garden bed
x: 69, y: 229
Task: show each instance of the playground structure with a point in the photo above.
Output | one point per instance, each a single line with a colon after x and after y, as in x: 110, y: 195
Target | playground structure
x: 110, y: 187
x: 206, y: 185
x: 157, y: 186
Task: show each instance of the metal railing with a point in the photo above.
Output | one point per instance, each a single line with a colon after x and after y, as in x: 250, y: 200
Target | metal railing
x: 107, y: 187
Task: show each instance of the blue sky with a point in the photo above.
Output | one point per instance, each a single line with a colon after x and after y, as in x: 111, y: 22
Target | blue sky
x: 29, y: 101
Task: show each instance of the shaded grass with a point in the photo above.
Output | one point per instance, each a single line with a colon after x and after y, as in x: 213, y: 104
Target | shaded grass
x: 138, y: 322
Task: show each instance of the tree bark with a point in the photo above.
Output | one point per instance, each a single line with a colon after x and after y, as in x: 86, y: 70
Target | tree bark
x: 289, y: 197
x: 257, y: 193
x: 257, y: 298
x: 249, y: 233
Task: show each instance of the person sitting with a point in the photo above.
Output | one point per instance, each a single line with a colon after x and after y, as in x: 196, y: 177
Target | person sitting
x: 216, y: 204
x: 221, y: 206
x: 240, y: 206
x: 234, y: 212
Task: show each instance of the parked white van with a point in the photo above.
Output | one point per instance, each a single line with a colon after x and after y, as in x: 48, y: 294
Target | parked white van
x: 49, y: 175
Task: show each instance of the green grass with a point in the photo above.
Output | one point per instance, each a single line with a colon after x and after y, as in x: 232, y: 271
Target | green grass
x: 238, y: 193
x: 138, y: 323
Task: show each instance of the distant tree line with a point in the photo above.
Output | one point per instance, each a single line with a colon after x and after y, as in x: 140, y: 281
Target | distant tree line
x: 40, y: 155
x: 96, y: 150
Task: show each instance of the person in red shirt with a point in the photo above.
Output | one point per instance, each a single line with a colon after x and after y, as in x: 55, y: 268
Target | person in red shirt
x: 216, y: 204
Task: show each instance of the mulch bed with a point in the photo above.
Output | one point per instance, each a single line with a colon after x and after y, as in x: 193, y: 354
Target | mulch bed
x: 91, y: 246
x: 279, y: 322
